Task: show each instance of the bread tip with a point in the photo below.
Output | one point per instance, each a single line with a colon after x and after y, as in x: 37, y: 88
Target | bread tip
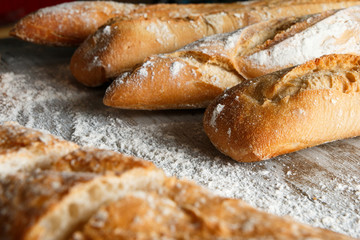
x: 91, y: 75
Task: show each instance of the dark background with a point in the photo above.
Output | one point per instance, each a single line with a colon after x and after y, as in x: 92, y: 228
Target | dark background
x: 13, y: 10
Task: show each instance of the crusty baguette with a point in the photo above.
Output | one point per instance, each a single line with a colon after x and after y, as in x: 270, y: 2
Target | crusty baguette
x: 24, y: 149
x: 51, y: 205
x: 68, y: 24
x: 186, y: 211
x: 57, y: 188
x: 121, y: 44
x: 288, y: 110
x: 194, y: 75
x: 101, y: 194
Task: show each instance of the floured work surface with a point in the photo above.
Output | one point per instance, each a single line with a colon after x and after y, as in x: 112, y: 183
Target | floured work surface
x: 319, y: 186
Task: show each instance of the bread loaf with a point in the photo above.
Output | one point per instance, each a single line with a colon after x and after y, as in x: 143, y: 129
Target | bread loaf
x: 194, y: 75
x: 68, y: 24
x: 51, y: 205
x: 100, y: 194
x: 26, y: 149
x: 288, y: 110
x: 52, y: 201
x: 186, y: 211
x: 121, y: 44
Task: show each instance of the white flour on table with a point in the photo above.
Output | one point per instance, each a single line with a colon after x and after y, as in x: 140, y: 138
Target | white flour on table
x: 305, y: 185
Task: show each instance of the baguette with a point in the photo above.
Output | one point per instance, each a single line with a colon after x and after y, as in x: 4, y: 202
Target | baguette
x: 194, y: 75
x: 192, y: 214
x: 100, y: 194
x: 68, y: 24
x: 67, y: 191
x: 59, y: 202
x: 24, y: 149
x: 121, y: 44
x: 288, y: 110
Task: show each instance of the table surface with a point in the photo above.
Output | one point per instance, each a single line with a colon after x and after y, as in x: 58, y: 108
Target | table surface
x: 319, y: 186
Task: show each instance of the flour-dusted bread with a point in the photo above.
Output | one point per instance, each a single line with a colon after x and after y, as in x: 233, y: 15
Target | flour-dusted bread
x: 121, y: 44
x: 288, y: 110
x: 50, y: 187
x: 100, y: 194
x: 51, y: 205
x: 68, y: 24
x: 184, y: 210
x: 194, y: 75
x: 24, y: 149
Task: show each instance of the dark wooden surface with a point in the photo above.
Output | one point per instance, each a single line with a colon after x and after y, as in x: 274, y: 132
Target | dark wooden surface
x: 318, y: 186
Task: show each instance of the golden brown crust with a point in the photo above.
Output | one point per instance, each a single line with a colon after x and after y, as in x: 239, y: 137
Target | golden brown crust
x: 23, y: 206
x: 225, y: 60
x: 24, y: 149
x: 287, y: 110
x: 53, y: 204
x: 98, y: 60
x: 136, y: 91
x: 185, y: 10
x: 81, y: 197
x: 192, y: 76
x: 99, y: 161
x: 186, y: 211
x: 43, y: 204
x: 68, y: 24
x: 120, y: 45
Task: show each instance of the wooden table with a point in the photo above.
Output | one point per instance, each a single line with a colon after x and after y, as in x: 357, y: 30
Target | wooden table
x: 319, y: 186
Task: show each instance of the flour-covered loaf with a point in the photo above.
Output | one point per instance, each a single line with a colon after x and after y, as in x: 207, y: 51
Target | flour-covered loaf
x: 68, y: 24
x: 51, y: 199
x: 184, y: 210
x: 194, y: 75
x: 52, y: 205
x: 121, y: 44
x: 288, y: 110
x: 100, y: 194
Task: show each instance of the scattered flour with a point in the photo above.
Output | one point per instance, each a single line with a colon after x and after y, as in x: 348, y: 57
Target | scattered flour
x: 322, y: 189
x: 215, y: 115
x: 143, y: 72
x: 161, y: 31
x: 175, y: 68
x: 107, y: 30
